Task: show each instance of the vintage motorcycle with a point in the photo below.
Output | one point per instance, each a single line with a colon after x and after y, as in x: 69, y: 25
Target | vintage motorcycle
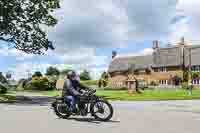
x: 89, y: 103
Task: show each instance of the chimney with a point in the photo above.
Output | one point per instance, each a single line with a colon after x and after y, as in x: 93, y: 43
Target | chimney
x: 114, y: 54
x: 155, y: 44
x: 182, y: 41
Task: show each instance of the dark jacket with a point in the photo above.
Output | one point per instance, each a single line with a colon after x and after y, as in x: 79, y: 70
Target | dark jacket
x: 72, y: 88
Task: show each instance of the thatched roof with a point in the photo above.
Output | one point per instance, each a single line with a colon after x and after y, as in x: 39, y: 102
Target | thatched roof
x: 126, y: 63
x: 161, y: 57
x: 167, y: 57
x: 195, y: 55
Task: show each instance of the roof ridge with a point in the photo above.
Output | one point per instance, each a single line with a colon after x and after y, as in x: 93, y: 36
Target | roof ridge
x: 128, y: 56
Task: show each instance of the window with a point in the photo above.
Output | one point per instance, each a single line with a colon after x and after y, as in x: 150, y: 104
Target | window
x: 195, y: 68
x: 195, y: 81
x: 198, y: 82
x: 192, y: 68
x: 163, y: 69
x: 163, y: 82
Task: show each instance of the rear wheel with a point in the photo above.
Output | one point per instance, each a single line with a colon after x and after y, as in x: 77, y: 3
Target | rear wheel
x: 102, y: 110
x: 62, y: 110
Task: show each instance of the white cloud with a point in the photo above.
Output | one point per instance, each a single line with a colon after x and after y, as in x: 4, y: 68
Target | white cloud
x: 84, y: 58
x: 22, y: 70
x: 188, y: 27
x: 19, y: 55
x: 90, y: 23
x: 150, y: 18
x: 111, y: 23
x: 146, y: 51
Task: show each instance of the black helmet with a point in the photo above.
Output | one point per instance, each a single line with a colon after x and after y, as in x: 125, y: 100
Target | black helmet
x: 71, y: 74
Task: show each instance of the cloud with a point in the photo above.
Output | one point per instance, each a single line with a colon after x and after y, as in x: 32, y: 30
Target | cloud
x: 150, y: 18
x: 111, y: 23
x: 86, y: 25
x: 22, y: 70
x: 146, y: 51
x: 189, y: 26
x: 19, y: 55
x: 90, y: 24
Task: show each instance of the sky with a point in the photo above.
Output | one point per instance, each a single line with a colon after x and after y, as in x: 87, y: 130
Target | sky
x: 88, y: 31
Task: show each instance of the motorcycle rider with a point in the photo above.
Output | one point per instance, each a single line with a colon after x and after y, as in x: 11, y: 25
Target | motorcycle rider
x: 72, y: 89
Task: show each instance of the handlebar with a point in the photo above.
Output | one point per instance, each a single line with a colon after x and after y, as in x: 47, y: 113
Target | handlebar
x: 90, y: 92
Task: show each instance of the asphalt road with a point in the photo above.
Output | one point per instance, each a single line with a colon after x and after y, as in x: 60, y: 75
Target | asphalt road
x: 129, y: 117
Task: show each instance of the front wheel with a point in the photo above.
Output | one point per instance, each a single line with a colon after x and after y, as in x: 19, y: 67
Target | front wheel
x: 102, y: 110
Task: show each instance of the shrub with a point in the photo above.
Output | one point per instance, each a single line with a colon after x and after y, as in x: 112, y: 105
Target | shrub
x: 153, y: 83
x: 2, y: 78
x: 37, y: 74
x: 85, y: 75
x: 90, y: 82
x: 185, y: 85
x: 52, y: 71
x: 28, y: 86
x: 36, y: 78
x: 110, y: 88
x: 52, y: 81
x: 39, y: 84
x: 3, y: 89
x: 195, y: 75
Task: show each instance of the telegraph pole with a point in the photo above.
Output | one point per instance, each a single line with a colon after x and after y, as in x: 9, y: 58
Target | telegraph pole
x: 190, y: 59
x: 182, y: 43
x: 190, y: 73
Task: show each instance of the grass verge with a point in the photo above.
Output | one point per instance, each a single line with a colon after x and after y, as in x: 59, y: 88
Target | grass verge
x: 158, y: 94
x: 7, y: 97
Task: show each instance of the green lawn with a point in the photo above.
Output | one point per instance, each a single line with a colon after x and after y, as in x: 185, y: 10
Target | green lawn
x: 158, y: 94
x: 90, y: 82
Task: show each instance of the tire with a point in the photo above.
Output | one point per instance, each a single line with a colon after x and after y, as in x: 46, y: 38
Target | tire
x: 109, y: 106
x: 58, y: 113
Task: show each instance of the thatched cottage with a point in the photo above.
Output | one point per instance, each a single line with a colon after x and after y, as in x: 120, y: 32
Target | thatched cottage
x: 159, y: 68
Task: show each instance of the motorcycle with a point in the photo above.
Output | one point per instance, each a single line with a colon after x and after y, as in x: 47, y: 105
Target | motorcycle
x: 88, y: 103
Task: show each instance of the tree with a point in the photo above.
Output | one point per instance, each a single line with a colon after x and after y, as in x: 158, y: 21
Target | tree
x: 51, y: 71
x: 3, y: 88
x: 2, y: 78
x: 85, y: 75
x: 8, y: 75
x: 37, y: 74
x: 195, y: 75
x: 21, y: 23
x: 103, y: 80
x: 65, y: 71
x: 104, y: 76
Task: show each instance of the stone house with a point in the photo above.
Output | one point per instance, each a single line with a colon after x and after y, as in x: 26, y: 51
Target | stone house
x: 160, y: 68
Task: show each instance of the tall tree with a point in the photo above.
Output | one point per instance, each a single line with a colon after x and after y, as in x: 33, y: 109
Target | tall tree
x: 21, y: 22
x: 2, y: 78
x: 65, y: 71
x: 8, y: 75
x: 85, y: 75
x: 52, y: 71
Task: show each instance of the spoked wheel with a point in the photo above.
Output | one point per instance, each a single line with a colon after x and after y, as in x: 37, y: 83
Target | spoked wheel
x: 102, y: 110
x: 62, y: 110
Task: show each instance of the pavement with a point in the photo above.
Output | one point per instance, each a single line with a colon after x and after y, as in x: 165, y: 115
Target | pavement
x: 36, y: 116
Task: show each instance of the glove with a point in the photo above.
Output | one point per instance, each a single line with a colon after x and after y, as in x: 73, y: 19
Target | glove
x: 82, y: 94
